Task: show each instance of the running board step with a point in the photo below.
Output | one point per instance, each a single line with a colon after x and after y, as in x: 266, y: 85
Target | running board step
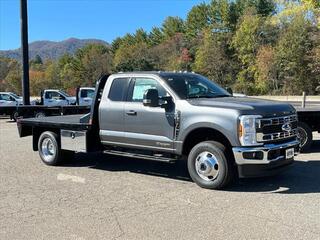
x: 141, y: 156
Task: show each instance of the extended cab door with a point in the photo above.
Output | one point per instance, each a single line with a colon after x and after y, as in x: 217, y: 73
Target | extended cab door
x: 147, y: 127
x: 54, y: 98
x: 111, y: 111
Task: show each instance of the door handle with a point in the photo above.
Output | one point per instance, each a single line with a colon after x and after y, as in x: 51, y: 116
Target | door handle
x: 131, y: 112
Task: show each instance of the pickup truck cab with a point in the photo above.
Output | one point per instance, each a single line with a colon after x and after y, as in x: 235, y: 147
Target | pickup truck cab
x: 85, y: 95
x: 53, y: 97
x: 169, y: 116
x: 8, y: 99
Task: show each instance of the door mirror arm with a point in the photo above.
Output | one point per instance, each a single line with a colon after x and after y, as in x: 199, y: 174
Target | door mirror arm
x: 167, y: 102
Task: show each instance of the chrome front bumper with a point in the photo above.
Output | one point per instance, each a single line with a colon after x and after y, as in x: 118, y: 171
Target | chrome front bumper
x: 267, y: 160
x: 263, y: 151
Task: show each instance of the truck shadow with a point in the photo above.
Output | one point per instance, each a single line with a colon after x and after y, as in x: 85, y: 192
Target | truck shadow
x: 301, y: 177
x: 177, y: 170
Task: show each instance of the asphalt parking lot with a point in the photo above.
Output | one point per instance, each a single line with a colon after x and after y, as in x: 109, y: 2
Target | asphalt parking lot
x: 103, y: 197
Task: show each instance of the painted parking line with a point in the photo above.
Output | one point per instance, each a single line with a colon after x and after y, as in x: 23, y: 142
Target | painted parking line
x: 72, y: 178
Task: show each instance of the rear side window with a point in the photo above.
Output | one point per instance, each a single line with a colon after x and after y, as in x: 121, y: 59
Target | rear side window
x: 118, y: 89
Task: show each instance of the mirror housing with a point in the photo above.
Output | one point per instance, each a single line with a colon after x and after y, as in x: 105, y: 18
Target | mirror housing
x: 229, y: 90
x: 151, y: 98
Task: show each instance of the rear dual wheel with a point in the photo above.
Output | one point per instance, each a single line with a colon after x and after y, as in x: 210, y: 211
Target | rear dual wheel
x: 39, y: 114
x: 50, y: 151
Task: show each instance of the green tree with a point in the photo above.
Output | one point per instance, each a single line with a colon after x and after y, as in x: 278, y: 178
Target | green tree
x: 13, y: 79
x: 4, y: 70
x: 291, y: 56
x: 133, y: 50
x: 211, y: 59
x: 37, y: 59
x: 169, y: 54
x: 36, y: 63
x: 116, y: 44
x: 156, y: 36
x: 89, y: 63
x: 197, y: 19
x: 171, y: 26
x: 266, y: 74
x: 246, y: 42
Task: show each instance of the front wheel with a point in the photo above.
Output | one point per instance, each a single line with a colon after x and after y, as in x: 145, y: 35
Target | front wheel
x: 305, y: 136
x: 210, y: 166
x: 39, y: 115
x: 15, y: 116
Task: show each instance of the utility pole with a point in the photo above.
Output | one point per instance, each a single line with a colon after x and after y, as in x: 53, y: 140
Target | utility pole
x: 25, y: 52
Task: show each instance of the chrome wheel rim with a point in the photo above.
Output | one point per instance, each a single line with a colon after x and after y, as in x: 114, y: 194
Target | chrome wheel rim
x: 48, y: 149
x: 302, y: 136
x: 40, y: 115
x: 207, y: 166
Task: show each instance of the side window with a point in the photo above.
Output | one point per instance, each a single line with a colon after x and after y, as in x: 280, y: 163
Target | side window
x: 49, y: 95
x: 83, y: 93
x: 6, y: 97
x: 143, y: 84
x: 118, y: 89
x: 61, y: 97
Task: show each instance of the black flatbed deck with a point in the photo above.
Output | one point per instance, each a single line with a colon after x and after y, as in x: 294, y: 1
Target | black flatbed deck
x: 68, y: 122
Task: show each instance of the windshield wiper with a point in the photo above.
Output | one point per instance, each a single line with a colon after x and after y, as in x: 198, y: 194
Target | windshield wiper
x: 222, y: 95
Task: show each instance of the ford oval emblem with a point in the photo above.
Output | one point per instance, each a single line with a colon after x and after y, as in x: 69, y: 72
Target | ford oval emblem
x: 286, y: 127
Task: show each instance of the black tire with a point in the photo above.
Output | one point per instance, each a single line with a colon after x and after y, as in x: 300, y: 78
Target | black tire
x: 305, y: 136
x: 57, y: 155
x: 14, y: 116
x: 225, y: 169
x: 39, y: 114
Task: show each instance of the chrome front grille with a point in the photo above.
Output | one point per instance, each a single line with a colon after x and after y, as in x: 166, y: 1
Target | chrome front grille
x: 272, y: 129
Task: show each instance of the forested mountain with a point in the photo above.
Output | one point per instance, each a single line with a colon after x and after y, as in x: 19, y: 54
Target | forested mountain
x: 51, y: 49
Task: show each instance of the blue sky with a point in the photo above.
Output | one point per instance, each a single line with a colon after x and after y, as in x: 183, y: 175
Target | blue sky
x: 57, y: 20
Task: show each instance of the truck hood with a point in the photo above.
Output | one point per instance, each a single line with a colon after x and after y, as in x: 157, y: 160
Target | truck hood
x: 72, y: 99
x: 246, y: 105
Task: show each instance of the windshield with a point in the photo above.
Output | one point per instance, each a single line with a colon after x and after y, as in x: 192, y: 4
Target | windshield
x: 64, y: 93
x: 188, y: 86
x: 14, y: 95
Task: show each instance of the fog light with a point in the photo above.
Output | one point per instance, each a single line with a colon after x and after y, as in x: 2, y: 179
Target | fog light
x: 258, y: 155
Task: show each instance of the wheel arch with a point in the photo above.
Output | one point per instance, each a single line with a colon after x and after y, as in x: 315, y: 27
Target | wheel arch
x: 36, y: 133
x: 201, y: 134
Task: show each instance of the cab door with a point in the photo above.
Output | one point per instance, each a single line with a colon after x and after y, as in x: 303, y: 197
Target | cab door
x: 147, y: 127
x: 54, y: 98
x: 7, y: 100
x: 85, y: 97
x: 111, y: 112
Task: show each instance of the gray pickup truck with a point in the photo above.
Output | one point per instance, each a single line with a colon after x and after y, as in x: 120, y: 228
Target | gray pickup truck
x: 169, y: 116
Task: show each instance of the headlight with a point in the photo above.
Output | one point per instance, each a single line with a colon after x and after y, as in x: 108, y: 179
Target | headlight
x: 247, y: 130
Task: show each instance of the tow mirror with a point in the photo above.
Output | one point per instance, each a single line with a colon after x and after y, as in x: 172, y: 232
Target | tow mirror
x: 229, y: 90
x: 151, y: 98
